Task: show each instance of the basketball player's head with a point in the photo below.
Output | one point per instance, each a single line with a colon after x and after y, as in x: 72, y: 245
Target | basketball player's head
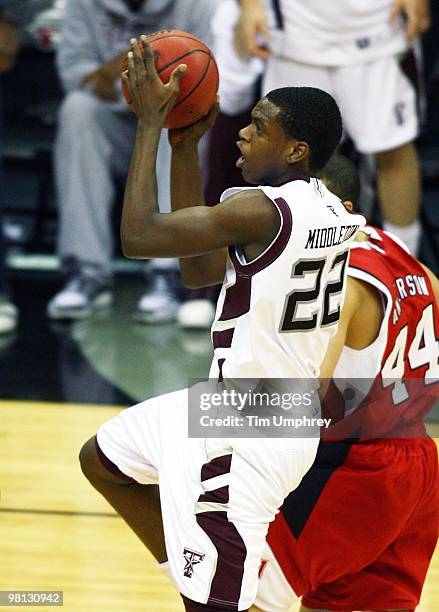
x: 293, y: 130
x: 341, y: 177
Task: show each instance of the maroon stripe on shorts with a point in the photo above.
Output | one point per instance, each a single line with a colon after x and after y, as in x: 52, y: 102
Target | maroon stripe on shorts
x: 111, y: 467
x: 219, y: 496
x: 216, y: 467
x: 222, y: 339
x: 226, y: 585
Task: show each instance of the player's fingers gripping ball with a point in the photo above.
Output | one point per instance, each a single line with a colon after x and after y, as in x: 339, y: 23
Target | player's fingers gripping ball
x: 199, y: 83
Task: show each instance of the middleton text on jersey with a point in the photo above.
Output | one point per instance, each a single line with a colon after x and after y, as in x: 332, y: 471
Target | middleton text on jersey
x: 330, y: 236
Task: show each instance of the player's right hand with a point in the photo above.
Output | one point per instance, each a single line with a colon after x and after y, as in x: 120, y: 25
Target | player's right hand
x: 252, y: 36
x: 193, y: 133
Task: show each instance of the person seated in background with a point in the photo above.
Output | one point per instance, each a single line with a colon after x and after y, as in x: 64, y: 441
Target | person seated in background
x: 364, y: 54
x: 95, y: 137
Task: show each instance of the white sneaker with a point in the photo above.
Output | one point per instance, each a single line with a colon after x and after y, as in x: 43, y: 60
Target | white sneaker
x: 8, y: 317
x: 160, y: 303
x: 80, y: 298
x: 196, y: 314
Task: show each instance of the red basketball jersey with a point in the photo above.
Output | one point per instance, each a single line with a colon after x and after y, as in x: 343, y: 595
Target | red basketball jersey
x: 372, y: 502
x: 404, y: 390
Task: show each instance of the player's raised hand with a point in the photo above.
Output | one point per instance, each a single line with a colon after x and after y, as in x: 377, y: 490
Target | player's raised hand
x: 252, y: 37
x: 151, y: 99
x: 193, y: 133
x: 416, y: 14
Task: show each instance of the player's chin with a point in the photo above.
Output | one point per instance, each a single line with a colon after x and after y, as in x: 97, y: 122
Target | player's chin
x: 249, y: 176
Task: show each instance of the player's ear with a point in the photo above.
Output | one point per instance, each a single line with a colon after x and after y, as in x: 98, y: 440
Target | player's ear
x: 297, y: 151
x: 348, y: 205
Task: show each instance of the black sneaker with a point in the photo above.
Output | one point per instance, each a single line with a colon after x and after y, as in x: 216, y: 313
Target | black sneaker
x: 160, y: 303
x: 82, y: 296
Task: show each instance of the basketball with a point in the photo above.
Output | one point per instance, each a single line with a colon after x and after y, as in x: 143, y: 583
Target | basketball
x: 199, y: 84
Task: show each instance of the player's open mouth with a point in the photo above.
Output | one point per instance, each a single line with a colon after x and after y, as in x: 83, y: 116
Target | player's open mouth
x: 240, y: 162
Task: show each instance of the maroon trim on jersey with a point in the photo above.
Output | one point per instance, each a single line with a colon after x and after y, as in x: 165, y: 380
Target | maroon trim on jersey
x: 111, y: 467
x: 232, y: 554
x: 237, y: 299
x: 218, y: 496
x: 222, y: 339
x: 273, y: 251
x: 216, y: 467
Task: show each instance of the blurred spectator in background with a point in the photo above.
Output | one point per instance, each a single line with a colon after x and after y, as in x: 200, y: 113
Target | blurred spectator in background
x: 9, y: 43
x: 361, y: 52
x: 94, y: 143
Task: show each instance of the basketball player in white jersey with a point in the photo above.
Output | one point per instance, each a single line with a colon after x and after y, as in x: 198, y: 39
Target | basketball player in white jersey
x: 360, y: 52
x: 360, y: 530
x: 282, y: 250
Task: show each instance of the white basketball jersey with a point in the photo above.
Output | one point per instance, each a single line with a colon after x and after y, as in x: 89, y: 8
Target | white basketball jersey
x: 335, y: 33
x: 276, y: 314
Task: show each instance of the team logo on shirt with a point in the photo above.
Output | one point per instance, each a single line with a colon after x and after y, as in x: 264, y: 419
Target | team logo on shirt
x: 192, y: 557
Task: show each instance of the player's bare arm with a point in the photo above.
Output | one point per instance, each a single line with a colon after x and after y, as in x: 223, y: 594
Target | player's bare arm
x: 359, y: 324
x: 249, y: 219
x: 187, y: 190
x: 434, y: 282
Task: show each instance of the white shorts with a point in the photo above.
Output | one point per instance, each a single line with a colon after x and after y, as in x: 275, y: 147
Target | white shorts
x: 217, y: 495
x: 377, y: 101
x: 274, y: 591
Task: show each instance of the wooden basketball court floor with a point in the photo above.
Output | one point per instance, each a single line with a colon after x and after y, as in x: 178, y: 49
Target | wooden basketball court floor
x: 56, y: 387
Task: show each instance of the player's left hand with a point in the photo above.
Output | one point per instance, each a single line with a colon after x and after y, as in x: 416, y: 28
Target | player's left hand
x: 193, y: 133
x: 416, y: 13
x: 151, y: 99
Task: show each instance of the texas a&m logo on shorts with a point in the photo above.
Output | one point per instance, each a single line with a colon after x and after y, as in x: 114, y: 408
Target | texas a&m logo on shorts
x: 192, y: 557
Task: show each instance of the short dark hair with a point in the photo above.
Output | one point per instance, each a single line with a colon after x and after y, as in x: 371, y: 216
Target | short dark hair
x: 341, y: 177
x: 312, y: 115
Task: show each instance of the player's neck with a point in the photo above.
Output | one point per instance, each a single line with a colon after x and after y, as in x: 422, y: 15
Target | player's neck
x: 296, y: 172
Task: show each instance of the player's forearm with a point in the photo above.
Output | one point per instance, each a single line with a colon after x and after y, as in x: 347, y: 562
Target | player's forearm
x: 140, y: 204
x: 187, y: 190
x: 186, y: 179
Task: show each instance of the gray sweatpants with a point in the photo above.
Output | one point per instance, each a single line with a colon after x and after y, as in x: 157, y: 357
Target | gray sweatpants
x: 93, y: 145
